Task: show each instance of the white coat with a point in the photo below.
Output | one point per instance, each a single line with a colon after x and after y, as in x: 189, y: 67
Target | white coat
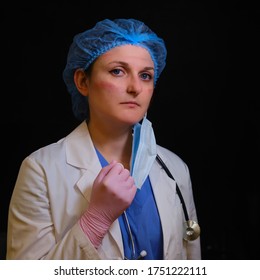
x: 53, y: 189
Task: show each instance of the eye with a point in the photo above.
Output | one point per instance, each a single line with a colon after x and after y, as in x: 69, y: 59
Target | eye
x: 116, y: 71
x: 146, y: 76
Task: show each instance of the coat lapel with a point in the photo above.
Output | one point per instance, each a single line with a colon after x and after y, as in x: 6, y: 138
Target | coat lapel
x: 80, y: 152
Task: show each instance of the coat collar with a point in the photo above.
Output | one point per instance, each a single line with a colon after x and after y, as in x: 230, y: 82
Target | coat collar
x: 80, y: 150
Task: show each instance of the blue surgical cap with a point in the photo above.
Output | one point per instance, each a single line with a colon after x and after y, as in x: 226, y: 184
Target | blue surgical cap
x: 105, y: 35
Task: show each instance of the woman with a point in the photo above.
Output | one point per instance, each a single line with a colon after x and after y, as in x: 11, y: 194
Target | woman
x: 100, y: 193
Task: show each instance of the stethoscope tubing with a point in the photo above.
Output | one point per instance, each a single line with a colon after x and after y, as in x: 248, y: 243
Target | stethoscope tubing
x: 166, y: 169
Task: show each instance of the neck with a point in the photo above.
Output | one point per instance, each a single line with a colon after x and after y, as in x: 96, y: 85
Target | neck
x: 113, y: 144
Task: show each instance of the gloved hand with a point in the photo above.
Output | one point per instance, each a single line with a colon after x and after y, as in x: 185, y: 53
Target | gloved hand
x: 113, y: 191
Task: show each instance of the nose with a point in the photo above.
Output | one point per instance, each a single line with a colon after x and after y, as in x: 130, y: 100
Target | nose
x: 134, y: 86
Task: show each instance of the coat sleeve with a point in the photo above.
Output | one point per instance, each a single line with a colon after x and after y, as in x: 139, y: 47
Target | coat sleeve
x: 31, y: 232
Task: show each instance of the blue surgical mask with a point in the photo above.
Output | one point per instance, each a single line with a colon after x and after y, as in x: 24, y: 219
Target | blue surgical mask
x: 143, y: 151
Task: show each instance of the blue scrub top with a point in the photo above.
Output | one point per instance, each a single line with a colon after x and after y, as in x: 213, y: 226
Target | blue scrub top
x: 144, y: 222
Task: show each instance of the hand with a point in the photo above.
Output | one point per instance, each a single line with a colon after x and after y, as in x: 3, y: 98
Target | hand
x: 113, y: 191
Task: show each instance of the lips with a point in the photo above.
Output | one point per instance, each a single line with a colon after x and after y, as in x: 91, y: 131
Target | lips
x: 130, y: 103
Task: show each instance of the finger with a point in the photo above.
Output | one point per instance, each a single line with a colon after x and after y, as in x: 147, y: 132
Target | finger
x: 120, y: 164
x: 131, y: 192
x: 105, y: 170
x: 120, y: 167
x: 117, y: 169
x: 130, y: 182
x: 125, y: 174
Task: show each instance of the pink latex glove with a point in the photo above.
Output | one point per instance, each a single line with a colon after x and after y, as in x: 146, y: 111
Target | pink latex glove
x: 113, y: 191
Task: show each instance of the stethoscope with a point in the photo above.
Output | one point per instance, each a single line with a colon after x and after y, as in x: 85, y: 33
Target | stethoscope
x: 191, y: 228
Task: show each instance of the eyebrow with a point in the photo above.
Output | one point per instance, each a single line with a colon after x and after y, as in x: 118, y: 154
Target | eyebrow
x: 126, y: 64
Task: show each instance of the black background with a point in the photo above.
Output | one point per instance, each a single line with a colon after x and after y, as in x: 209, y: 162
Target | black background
x: 206, y: 106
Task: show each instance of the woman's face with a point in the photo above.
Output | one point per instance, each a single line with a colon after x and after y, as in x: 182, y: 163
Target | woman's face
x: 120, y: 86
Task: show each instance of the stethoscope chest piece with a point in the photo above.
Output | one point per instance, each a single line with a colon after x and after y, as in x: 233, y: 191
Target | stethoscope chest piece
x: 191, y: 230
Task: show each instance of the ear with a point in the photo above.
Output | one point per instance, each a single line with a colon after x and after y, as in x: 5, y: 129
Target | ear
x: 80, y: 80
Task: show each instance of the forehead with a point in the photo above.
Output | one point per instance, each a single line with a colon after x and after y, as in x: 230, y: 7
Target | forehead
x: 127, y: 53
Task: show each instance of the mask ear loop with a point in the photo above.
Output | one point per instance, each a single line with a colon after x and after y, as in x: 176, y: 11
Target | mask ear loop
x: 192, y: 230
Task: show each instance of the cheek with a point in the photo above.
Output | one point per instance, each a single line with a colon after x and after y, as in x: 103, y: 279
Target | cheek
x: 149, y: 93
x: 106, y: 86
